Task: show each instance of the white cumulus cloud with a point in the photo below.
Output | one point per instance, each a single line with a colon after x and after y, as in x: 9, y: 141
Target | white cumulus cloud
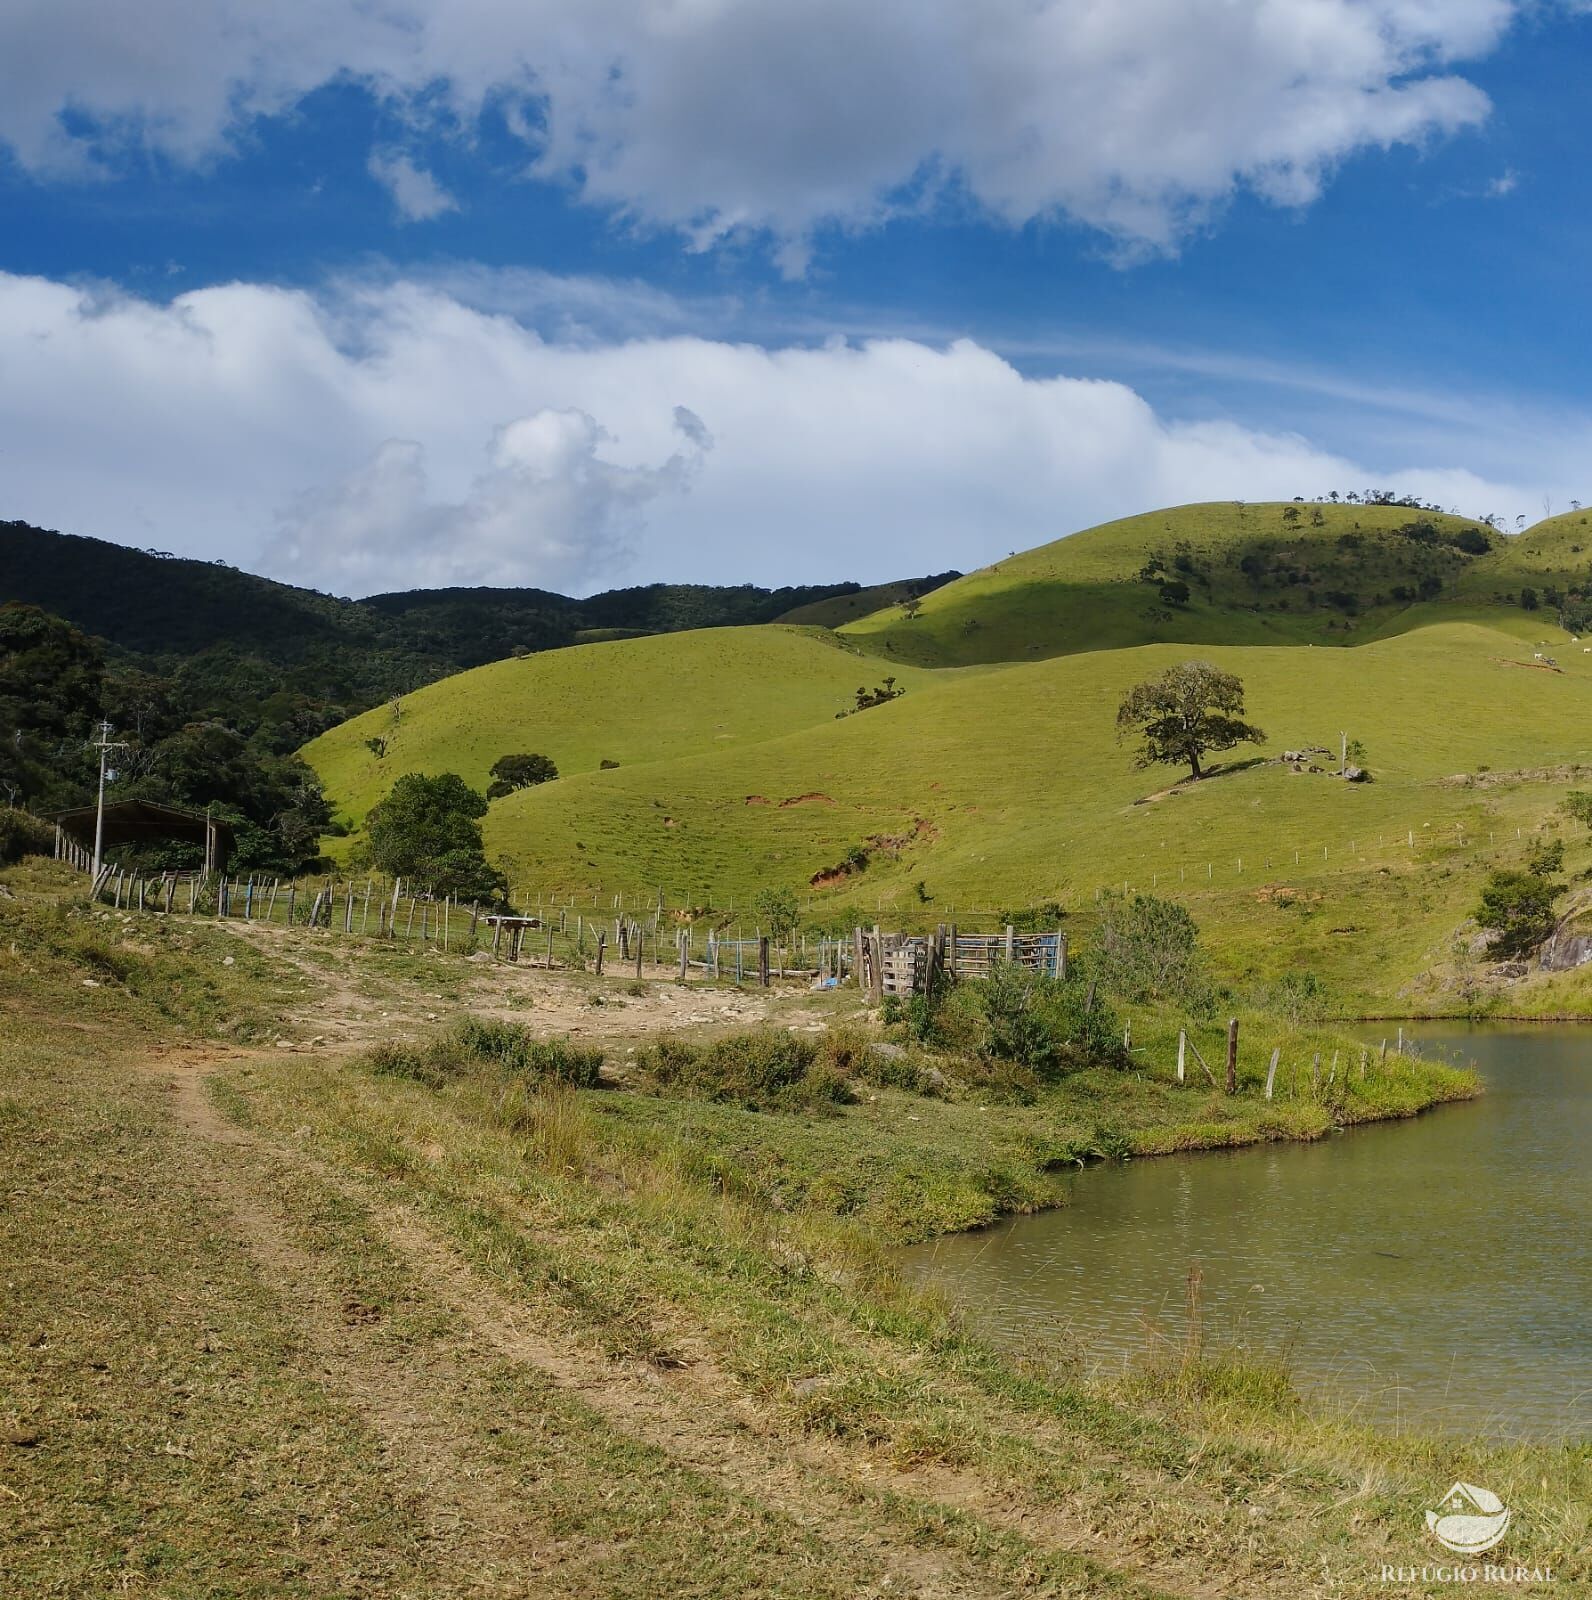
x: 547, y: 504
x: 381, y: 436
x: 718, y: 117
x: 416, y: 195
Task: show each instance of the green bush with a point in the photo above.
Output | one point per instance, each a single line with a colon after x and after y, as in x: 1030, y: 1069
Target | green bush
x: 763, y: 1070
x: 23, y: 834
x: 1147, y: 949
x: 432, y: 1062
x: 1045, y: 1024
x: 511, y: 1046
x: 1518, y: 907
x: 1299, y: 996
x: 475, y: 1040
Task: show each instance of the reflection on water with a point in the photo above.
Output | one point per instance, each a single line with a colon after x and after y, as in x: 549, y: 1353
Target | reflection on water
x: 1434, y: 1271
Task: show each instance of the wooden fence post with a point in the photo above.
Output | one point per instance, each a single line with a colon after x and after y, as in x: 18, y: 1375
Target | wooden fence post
x: 1061, y: 955
x: 1210, y: 1077
x: 602, y: 939
x: 1011, y: 941
x: 762, y: 959
x: 1271, y: 1071
x: 640, y: 947
x: 1182, y: 1054
x: 1232, y: 1055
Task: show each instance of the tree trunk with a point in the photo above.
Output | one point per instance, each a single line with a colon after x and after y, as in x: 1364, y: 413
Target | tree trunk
x: 1194, y: 764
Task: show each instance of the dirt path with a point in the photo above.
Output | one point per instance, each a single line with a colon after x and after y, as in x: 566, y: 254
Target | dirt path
x: 348, y: 1002
x: 477, y: 1516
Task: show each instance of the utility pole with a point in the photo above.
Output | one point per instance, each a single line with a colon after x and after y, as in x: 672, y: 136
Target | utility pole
x: 106, y: 744
x: 1343, y: 752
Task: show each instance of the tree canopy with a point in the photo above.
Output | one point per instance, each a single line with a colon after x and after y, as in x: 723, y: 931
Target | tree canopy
x: 1189, y: 711
x: 519, y: 772
x: 429, y: 831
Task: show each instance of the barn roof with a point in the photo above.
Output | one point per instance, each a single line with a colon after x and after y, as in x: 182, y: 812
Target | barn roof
x: 140, y: 821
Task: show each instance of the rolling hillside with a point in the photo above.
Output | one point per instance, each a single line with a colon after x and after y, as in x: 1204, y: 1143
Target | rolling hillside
x: 1010, y: 788
x: 1004, y: 784
x: 1224, y: 573
x: 245, y: 638
x: 837, y: 610
x: 634, y: 701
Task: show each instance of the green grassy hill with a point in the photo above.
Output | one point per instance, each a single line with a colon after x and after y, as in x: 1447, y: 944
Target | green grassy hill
x: 1005, y: 785
x: 1270, y: 573
x: 632, y: 701
x: 839, y: 609
x: 1009, y: 788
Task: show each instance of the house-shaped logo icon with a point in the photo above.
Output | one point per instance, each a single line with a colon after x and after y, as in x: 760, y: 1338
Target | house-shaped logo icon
x: 1470, y: 1520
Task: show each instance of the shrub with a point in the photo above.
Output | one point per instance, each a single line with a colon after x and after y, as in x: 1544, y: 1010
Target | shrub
x: 1148, y: 949
x: 1545, y: 858
x: 511, y: 1046
x: 513, y: 772
x: 23, y: 834
x: 1578, y: 804
x: 1518, y: 907
x: 1045, y: 917
x: 766, y: 1069
x: 507, y: 1045
x: 1043, y: 1023
x: 1299, y: 997
x: 432, y: 1063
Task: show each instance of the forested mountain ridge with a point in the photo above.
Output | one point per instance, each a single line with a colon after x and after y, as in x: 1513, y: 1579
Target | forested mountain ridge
x: 250, y: 637
x: 211, y: 677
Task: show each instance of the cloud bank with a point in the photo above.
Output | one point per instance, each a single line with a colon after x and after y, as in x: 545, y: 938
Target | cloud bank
x: 382, y: 436
x: 719, y: 117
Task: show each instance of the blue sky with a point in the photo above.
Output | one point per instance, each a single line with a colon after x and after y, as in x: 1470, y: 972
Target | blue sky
x: 816, y: 298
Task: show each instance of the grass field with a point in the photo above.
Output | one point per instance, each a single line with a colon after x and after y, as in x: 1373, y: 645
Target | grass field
x: 278, y: 1324
x: 1007, y: 789
x: 629, y: 701
x: 1001, y: 782
x: 1267, y: 573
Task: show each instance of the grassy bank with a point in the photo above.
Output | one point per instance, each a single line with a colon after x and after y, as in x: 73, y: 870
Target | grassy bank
x: 282, y: 1322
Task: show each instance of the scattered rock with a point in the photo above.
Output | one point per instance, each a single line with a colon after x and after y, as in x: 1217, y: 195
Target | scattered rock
x: 22, y: 1438
x: 890, y: 1052
x: 89, y: 983
x: 227, y: 961
x: 802, y: 1387
x: 932, y: 1080
x: 479, y: 955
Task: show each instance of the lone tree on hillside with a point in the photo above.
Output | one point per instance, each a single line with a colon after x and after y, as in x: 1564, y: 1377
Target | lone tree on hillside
x: 519, y: 772
x: 429, y: 830
x: 1188, y: 711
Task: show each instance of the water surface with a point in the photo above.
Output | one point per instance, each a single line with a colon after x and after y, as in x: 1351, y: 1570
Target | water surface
x: 1434, y: 1271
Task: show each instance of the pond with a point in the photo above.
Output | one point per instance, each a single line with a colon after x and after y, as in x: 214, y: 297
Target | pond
x: 1434, y: 1272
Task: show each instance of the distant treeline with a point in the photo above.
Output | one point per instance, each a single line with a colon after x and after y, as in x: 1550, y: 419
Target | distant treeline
x: 213, y: 677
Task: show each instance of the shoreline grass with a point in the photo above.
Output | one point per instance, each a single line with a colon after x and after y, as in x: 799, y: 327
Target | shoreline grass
x: 710, y: 1390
